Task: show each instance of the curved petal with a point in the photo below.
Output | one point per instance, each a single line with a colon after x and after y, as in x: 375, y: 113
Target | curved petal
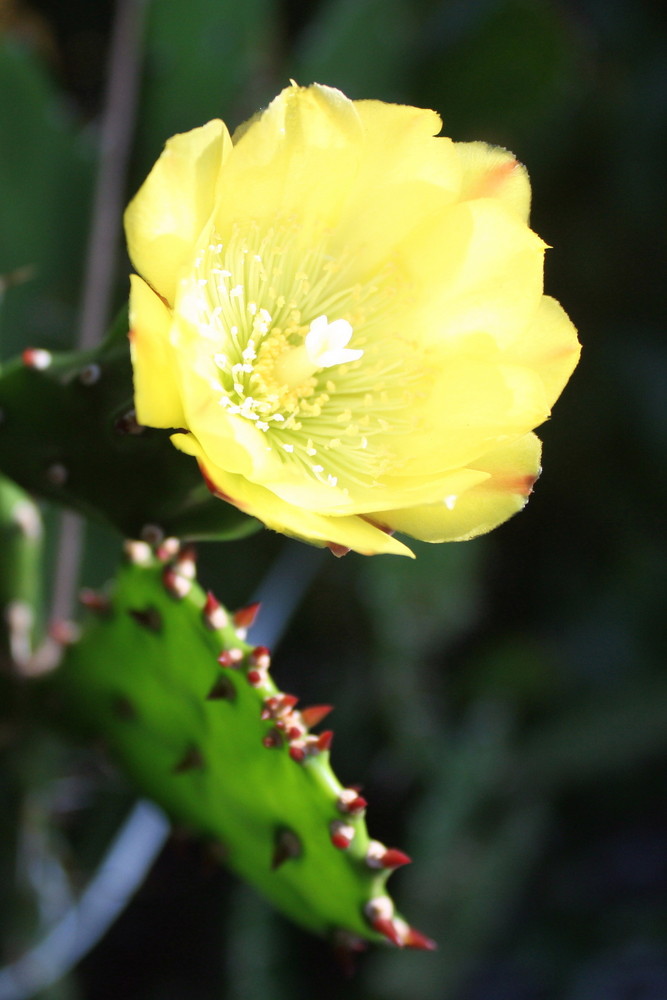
x: 156, y: 392
x: 512, y: 471
x: 407, y: 173
x: 475, y: 268
x: 167, y: 215
x: 349, y: 532
x: 327, y: 500
x: 549, y: 345
x: 494, y: 172
x: 299, y: 156
x: 409, y: 133
x: 474, y: 404
x: 379, y: 168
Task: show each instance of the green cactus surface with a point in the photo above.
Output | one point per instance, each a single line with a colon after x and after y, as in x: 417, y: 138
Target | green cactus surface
x: 163, y: 673
x: 68, y: 433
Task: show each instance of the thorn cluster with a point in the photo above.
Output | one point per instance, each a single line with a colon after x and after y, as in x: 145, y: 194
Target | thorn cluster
x: 213, y: 613
x: 341, y: 834
x: 293, y: 726
x: 379, y: 856
x: 351, y: 802
x: 244, y: 618
x: 36, y: 357
x: 379, y: 913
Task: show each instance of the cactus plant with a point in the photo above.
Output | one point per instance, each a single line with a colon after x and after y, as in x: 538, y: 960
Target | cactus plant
x: 163, y: 673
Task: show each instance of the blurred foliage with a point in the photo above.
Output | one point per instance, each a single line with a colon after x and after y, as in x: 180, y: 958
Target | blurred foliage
x: 46, y: 167
x: 218, y: 59
x: 503, y: 701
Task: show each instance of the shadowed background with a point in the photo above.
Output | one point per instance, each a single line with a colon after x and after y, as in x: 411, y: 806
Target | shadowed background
x: 503, y: 701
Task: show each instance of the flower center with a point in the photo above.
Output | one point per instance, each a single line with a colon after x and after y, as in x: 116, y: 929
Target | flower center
x: 325, y: 346
x: 286, y: 339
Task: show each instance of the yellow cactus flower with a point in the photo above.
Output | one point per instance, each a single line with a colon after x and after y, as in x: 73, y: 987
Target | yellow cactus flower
x: 341, y: 316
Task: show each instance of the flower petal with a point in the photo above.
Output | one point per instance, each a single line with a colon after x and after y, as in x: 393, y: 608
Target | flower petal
x: 494, y: 172
x: 407, y: 173
x: 156, y: 391
x: 348, y: 532
x: 474, y: 404
x: 512, y: 471
x: 305, y: 134
x: 165, y: 219
x: 549, y: 345
x: 417, y: 153
x: 475, y: 268
x: 324, y: 498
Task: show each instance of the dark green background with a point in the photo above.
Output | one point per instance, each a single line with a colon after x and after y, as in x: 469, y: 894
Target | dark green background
x: 504, y: 702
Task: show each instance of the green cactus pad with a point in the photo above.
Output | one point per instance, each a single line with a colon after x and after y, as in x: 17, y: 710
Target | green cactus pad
x: 68, y: 433
x: 164, y: 674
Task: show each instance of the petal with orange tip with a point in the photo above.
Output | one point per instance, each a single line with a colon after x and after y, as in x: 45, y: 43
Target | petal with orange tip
x: 494, y: 172
x: 549, y: 345
x: 512, y: 471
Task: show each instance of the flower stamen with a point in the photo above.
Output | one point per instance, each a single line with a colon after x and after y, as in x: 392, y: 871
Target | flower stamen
x: 263, y: 303
x: 325, y: 346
